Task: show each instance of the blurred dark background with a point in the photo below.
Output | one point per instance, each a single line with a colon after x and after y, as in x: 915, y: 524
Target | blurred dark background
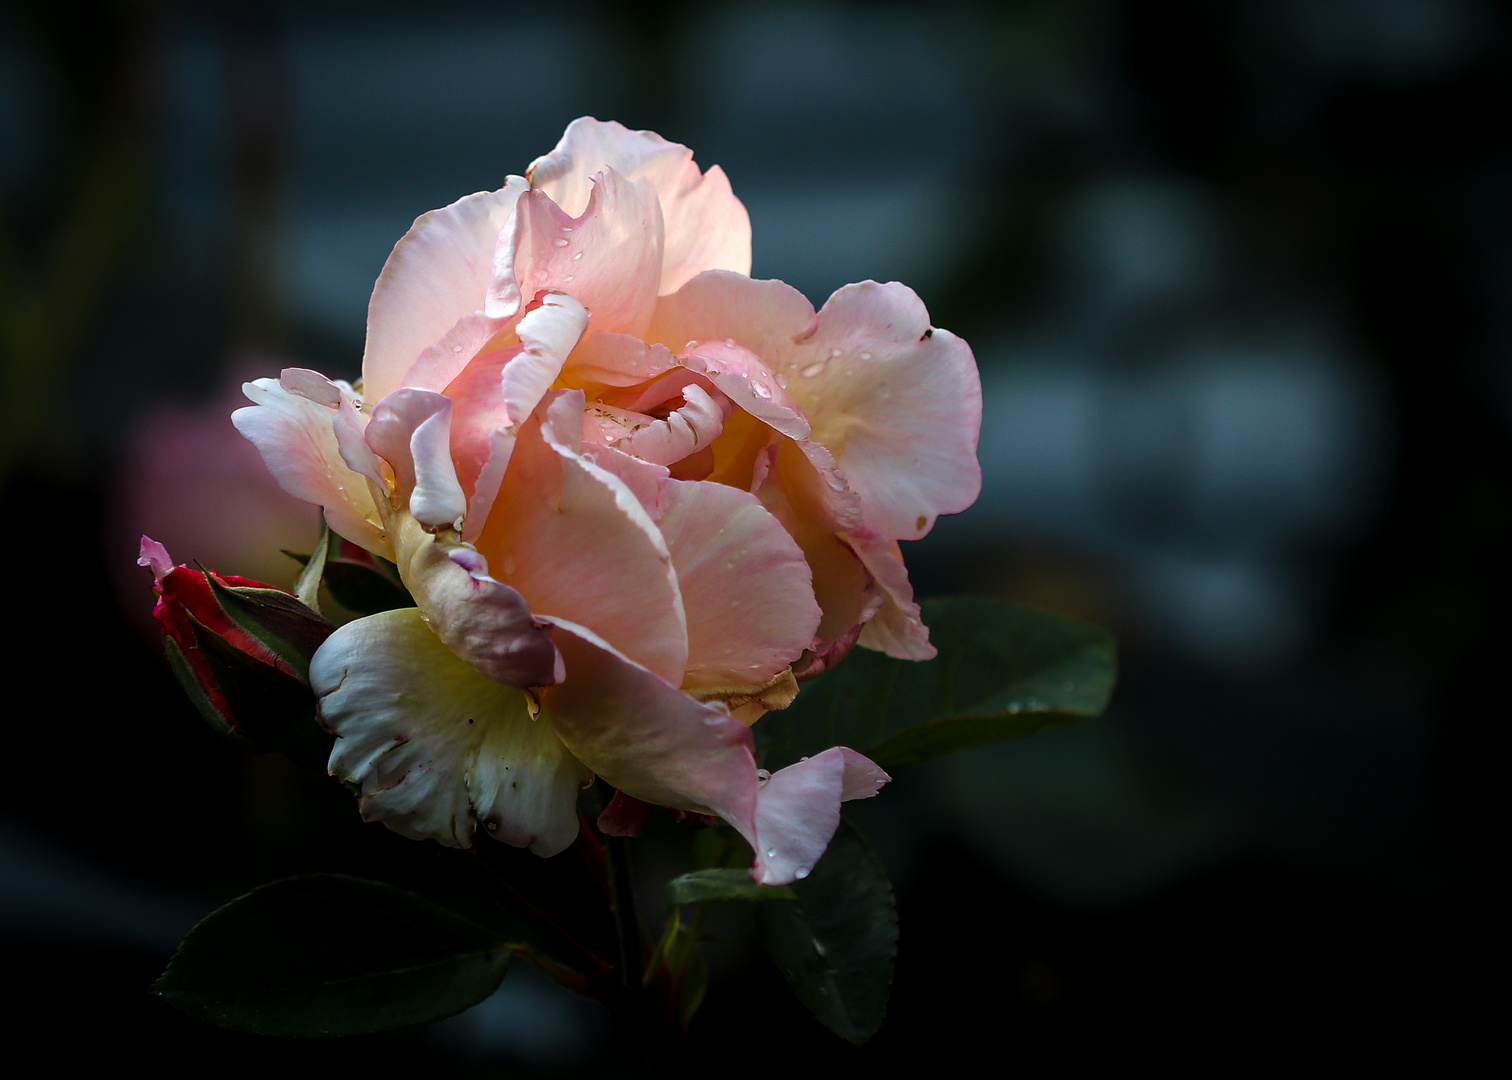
x: 1239, y: 279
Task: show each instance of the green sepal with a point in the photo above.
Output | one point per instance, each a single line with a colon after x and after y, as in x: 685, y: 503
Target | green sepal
x: 1002, y: 671
x: 722, y: 884
x: 270, y: 709
x: 288, y: 628
x: 364, y: 586
x: 836, y: 943
x: 328, y: 954
x: 189, y: 681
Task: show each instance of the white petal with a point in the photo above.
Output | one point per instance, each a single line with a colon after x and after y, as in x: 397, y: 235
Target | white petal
x: 436, y: 747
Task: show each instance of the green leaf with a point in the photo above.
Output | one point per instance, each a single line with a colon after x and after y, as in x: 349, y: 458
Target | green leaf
x: 329, y: 954
x: 730, y: 884
x: 836, y: 943
x: 1003, y: 671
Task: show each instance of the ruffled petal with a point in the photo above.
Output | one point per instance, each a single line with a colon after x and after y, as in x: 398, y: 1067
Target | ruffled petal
x: 437, y: 275
x: 617, y: 360
x: 707, y: 228
x: 436, y: 747
x: 845, y: 591
x: 746, y: 588
x: 897, y: 402
x: 579, y: 546
x: 896, y: 629
x: 297, y: 438
x: 609, y: 257
x: 411, y: 430
x: 498, y: 391
x: 657, y: 744
x: 745, y: 380
x: 767, y: 317
x: 798, y: 811
x: 685, y: 430
x: 482, y: 620
x: 646, y: 737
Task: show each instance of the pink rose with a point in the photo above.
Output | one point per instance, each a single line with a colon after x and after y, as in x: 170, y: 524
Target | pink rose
x: 633, y: 492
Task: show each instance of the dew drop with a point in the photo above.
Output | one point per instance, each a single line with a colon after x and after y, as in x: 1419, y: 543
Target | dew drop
x: 729, y: 343
x: 763, y: 391
x: 800, y: 875
x: 836, y: 352
x: 782, y: 380
x: 456, y: 348
x: 771, y: 853
x: 813, y: 370
x: 866, y: 356
x: 567, y: 278
x: 566, y: 228
x: 560, y: 242
x: 576, y: 256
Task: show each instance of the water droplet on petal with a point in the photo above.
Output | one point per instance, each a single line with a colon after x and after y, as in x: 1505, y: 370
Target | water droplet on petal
x: 771, y: 853
x: 866, y: 356
x: 729, y: 343
x: 560, y: 242
x: 578, y: 255
x: 782, y: 380
x: 813, y: 370
x: 456, y: 348
x: 836, y: 352
x: 800, y: 875
x: 763, y: 391
x: 567, y: 278
x: 566, y: 228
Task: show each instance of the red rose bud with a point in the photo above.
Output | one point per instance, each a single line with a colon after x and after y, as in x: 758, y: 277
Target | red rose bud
x: 241, y: 650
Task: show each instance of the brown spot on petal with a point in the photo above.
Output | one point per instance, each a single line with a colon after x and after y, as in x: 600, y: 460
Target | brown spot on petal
x: 923, y: 521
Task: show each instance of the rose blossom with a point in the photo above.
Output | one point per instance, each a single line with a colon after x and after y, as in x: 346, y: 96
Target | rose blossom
x: 634, y: 493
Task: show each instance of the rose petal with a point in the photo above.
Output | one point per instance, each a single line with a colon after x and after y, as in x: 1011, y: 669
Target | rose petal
x: 297, y: 440
x: 767, y: 317
x: 437, y: 275
x: 411, y: 430
x: 435, y: 746
x: 897, y: 629
x: 898, y: 403
x: 707, y: 228
x: 497, y: 392
x: 746, y: 588
x: 656, y: 744
x: 798, y: 810
x: 579, y: 546
x: 740, y: 375
x: 482, y: 620
x: 843, y: 588
x: 609, y: 257
x: 617, y: 360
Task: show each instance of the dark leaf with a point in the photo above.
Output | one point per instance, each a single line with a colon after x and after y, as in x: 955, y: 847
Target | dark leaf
x: 328, y: 954
x: 1002, y: 671
x: 835, y: 944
